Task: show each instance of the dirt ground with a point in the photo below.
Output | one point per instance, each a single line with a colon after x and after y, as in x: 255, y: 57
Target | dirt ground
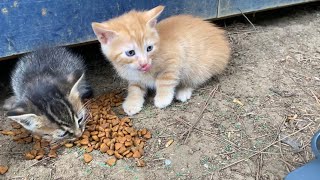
x: 269, y: 91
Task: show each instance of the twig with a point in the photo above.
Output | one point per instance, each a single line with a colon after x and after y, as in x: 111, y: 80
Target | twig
x: 11, y: 153
x: 159, y: 159
x: 280, y: 145
x: 50, y: 177
x: 315, y: 97
x: 18, y: 177
x: 288, y: 164
x: 35, y: 163
x: 258, y: 175
x: 263, y: 149
x: 247, y: 19
x: 282, y: 156
x: 188, y: 132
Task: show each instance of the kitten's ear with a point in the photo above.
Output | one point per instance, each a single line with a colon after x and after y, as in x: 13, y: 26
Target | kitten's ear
x: 153, y: 14
x: 103, y: 34
x: 74, y: 76
x: 75, y: 79
x: 20, y: 115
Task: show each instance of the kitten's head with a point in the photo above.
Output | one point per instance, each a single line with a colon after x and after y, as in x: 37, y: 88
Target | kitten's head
x: 53, y: 111
x: 130, y: 40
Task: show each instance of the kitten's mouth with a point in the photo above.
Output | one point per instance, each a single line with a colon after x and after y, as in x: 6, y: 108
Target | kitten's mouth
x: 145, y: 68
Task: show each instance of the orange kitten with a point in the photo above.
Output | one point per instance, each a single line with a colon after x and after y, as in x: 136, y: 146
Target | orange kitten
x: 174, y: 56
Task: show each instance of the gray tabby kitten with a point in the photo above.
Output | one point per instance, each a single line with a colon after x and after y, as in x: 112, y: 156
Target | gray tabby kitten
x: 49, y: 89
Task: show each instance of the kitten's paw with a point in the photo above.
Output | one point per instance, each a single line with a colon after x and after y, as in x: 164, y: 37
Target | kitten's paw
x: 9, y: 103
x: 131, y: 108
x: 184, y: 94
x: 162, y: 102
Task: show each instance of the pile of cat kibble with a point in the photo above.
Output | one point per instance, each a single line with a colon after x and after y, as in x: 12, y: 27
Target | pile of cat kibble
x: 104, y: 131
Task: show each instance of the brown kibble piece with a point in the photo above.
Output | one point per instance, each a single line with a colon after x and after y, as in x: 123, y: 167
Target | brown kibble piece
x: 68, y: 145
x: 118, y: 146
x: 94, y: 133
x: 20, y: 141
x: 39, y: 157
x: 104, y: 148
x: 140, y: 163
x: 133, y: 133
x: 28, y: 139
x: 96, y: 138
x: 129, y: 155
x: 37, y: 145
x: 37, y: 137
x: 110, y: 152
x: 122, y: 150
x: 3, y: 169
x: 107, y: 141
x: 137, y: 141
x: 117, y: 155
x: 41, y: 152
x: 85, y: 136
x: 128, y: 143
x: 111, y: 161
x: 33, y: 152
x: 16, y: 132
x: 122, y: 140
x: 29, y: 156
x: 115, y: 128
x: 91, y: 128
x: 52, y: 153
x: 16, y: 125
x: 24, y: 135
x: 87, y: 133
x: 101, y: 134
x: 143, y: 131
x: 54, y: 147
x: 115, y: 122
x: 126, y: 152
x: 141, y: 151
x: 147, y: 135
x: 112, y: 146
x: 84, y: 141
x: 9, y: 133
x: 97, y: 146
x: 87, y: 158
x: 120, y: 133
x: 89, y: 149
x: 136, y: 154
x: 128, y: 137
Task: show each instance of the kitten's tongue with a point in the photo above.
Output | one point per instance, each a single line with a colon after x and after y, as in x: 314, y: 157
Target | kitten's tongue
x: 146, y: 68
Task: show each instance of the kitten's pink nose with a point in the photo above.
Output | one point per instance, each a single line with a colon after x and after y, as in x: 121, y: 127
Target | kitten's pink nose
x: 145, y: 67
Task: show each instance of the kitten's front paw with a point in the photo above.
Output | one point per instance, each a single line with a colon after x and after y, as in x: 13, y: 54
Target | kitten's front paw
x: 131, y: 107
x: 9, y: 103
x: 162, y: 102
x: 184, y: 94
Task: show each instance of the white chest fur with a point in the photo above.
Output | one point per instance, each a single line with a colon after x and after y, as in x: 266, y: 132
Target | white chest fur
x: 146, y: 79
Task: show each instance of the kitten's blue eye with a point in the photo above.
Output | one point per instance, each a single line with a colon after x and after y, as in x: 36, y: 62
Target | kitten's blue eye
x: 149, y: 48
x: 64, y: 134
x: 130, y: 53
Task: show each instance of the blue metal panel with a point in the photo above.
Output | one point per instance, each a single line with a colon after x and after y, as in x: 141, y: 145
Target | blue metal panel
x: 231, y: 7
x: 26, y: 25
